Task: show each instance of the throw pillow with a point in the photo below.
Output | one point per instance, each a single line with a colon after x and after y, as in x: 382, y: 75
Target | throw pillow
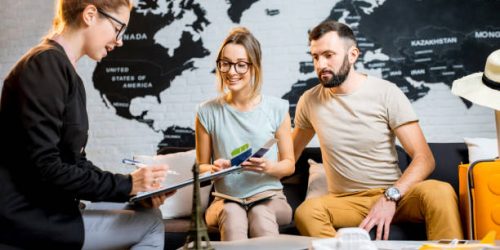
x: 481, y: 148
x: 179, y: 204
x: 316, y: 185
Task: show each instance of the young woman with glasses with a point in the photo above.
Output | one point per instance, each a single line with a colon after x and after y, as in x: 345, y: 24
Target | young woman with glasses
x: 241, y: 115
x: 44, y: 172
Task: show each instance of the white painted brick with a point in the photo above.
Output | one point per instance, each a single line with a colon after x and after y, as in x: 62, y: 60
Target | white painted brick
x: 443, y: 117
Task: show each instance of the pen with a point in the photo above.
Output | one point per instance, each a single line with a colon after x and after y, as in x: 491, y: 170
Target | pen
x: 141, y: 165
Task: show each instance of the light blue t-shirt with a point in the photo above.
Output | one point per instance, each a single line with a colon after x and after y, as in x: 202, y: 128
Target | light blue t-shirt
x: 230, y: 129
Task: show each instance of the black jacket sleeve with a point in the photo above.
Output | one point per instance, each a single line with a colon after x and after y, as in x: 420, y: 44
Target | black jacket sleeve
x: 53, y: 115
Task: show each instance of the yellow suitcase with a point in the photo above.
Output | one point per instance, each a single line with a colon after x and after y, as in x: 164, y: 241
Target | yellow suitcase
x: 479, y: 194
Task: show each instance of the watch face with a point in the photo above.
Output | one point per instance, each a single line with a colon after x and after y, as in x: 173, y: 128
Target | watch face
x: 392, y: 193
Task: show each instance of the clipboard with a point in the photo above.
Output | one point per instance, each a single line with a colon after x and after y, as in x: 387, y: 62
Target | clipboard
x: 206, y: 178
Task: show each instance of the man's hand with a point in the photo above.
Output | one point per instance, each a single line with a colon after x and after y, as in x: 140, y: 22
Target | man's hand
x: 380, y: 215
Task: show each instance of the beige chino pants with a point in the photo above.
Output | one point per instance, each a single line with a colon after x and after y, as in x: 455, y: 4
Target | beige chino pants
x: 235, y: 222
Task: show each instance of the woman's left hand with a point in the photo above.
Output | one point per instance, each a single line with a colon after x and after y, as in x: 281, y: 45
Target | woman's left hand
x: 260, y: 165
x: 156, y: 201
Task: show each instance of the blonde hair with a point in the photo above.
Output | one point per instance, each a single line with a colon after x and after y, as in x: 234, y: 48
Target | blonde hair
x: 242, y: 36
x: 68, y: 11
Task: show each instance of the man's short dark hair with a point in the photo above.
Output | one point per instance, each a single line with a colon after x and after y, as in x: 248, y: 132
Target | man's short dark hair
x: 331, y: 25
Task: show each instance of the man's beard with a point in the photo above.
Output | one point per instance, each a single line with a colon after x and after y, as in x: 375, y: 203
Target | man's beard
x: 339, y: 78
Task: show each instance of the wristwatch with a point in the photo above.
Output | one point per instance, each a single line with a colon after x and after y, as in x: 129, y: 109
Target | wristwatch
x: 392, y: 194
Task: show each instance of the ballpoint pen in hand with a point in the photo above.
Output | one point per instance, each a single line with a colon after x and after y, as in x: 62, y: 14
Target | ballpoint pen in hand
x: 141, y: 165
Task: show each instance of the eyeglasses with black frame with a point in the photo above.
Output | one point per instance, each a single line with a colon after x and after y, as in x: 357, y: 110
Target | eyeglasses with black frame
x: 123, y: 26
x: 240, y: 67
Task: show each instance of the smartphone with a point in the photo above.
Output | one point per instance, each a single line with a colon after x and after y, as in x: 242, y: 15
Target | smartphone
x: 247, y: 154
x: 263, y: 150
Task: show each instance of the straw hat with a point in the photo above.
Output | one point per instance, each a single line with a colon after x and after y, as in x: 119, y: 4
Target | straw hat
x: 479, y: 88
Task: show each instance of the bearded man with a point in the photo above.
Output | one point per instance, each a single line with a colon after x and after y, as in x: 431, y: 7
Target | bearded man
x: 357, y: 119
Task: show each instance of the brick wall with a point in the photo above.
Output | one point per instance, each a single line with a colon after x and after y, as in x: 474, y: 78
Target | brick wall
x: 444, y: 118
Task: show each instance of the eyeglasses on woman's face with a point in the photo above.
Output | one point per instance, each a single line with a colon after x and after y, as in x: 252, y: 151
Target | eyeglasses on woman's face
x: 240, y: 67
x: 119, y: 31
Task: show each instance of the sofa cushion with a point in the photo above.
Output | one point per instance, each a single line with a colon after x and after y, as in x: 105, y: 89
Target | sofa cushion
x: 295, y: 185
x: 448, y: 156
x: 481, y: 148
x: 178, y: 225
x: 179, y: 204
x: 316, y: 184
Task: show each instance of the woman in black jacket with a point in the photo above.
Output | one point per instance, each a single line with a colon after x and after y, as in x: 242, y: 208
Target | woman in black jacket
x: 43, y: 132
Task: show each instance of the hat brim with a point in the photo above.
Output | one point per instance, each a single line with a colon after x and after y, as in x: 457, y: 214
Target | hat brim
x: 472, y: 88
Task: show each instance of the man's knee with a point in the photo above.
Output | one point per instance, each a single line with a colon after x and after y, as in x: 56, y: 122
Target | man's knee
x: 312, y: 218
x: 436, y: 192
x: 304, y: 211
x: 308, y: 212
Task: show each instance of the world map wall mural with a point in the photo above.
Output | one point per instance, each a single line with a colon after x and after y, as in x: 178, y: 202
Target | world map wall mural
x: 417, y: 44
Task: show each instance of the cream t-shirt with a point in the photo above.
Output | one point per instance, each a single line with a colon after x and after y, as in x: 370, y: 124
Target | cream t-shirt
x: 356, y: 132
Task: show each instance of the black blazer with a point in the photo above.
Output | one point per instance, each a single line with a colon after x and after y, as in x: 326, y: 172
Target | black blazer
x: 43, y: 169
